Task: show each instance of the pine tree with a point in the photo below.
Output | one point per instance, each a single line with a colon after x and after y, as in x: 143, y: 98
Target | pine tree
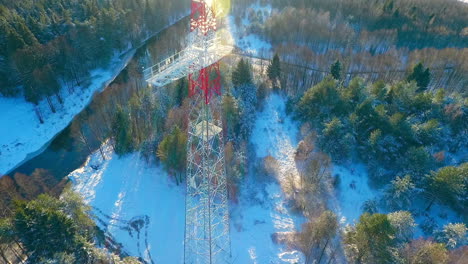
x: 421, y: 76
x: 274, y: 70
x: 400, y: 192
x: 121, y: 130
x: 335, y: 141
x: 181, y: 91
x: 371, y: 241
x: 23, y: 30
x: 453, y: 235
x: 246, y: 95
x: 336, y: 70
x: 14, y: 41
x: 320, y: 101
x: 231, y: 115
x: 449, y: 185
x: 173, y: 153
x: 45, y: 230
x: 242, y: 74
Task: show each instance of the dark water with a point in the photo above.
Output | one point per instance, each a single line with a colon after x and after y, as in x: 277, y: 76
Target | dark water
x: 67, y: 152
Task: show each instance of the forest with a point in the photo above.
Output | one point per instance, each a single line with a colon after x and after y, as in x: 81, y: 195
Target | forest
x: 413, y: 24
x: 364, y: 37
x: 50, y: 44
x: 377, y: 83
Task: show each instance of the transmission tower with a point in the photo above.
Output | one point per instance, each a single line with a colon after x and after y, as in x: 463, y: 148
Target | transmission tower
x: 207, y: 237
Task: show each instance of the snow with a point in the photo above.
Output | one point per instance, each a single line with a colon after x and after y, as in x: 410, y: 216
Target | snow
x: 352, y: 192
x: 275, y: 134
x: 22, y: 135
x: 263, y: 208
x: 250, y: 43
x: 127, y: 190
x: 136, y: 203
x: 142, y: 208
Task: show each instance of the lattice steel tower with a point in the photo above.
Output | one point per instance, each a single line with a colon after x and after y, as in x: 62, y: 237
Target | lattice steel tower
x: 207, y: 237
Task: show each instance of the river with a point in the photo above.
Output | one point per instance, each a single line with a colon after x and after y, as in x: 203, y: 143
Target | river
x: 66, y: 152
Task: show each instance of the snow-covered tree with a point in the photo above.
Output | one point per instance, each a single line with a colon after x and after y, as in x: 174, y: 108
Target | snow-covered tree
x: 400, y: 192
x: 424, y: 252
x: 403, y: 224
x: 371, y: 240
x: 449, y: 185
x: 453, y: 235
x: 336, y: 140
x: 246, y: 95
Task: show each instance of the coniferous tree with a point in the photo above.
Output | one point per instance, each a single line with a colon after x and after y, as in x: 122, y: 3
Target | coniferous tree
x: 173, y: 153
x: 453, y: 235
x: 320, y: 101
x: 44, y: 229
x: 231, y: 115
x: 336, y: 70
x: 403, y: 224
x: 274, y: 70
x: 335, y: 140
x: 449, y: 185
x: 242, y: 74
x: 421, y: 76
x: 121, y: 130
x: 181, y: 91
x: 400, y: 192
x: 371, y: 241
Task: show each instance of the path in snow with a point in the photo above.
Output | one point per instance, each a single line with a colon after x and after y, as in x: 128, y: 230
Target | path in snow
x: 263, y: 209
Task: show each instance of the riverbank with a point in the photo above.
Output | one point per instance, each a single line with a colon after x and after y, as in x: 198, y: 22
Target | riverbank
x: 22, y: 137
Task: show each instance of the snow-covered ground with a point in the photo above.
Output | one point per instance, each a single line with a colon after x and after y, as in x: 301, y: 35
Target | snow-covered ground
x: 263, y: 208
x: 250, y: 43
x: 353, y: 190
x: 275, y: 134
x: 22, y: 135
x: 137, y: 204
x: 144, y: 210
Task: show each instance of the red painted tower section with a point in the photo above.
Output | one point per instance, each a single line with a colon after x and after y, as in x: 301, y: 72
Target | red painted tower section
x: 207, y: 80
